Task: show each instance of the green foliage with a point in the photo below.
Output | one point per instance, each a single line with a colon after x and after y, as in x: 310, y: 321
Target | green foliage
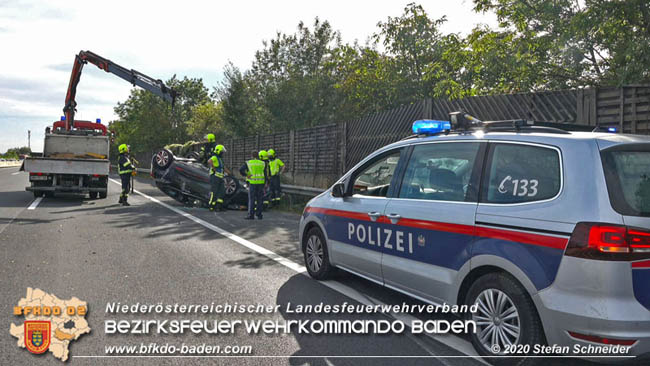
x: 14, y: 153
x: 146, y: 122
x: 580, y: 43
x: 310, y: 77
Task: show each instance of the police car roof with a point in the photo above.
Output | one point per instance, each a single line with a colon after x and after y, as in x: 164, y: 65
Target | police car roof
x: 605, y: 139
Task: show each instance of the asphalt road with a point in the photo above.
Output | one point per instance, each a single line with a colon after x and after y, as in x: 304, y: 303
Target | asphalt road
x: 157, y: 251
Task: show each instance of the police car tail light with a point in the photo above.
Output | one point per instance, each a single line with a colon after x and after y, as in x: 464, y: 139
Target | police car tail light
x: 608, y: 242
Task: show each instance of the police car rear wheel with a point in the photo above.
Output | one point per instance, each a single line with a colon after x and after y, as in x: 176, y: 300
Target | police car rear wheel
x: 506, y: 316
x: 316, y: 255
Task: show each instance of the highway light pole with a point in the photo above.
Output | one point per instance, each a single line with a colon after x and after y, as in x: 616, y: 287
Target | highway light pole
x: 29, y: 139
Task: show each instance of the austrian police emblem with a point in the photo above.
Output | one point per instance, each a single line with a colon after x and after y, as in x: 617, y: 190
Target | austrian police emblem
x: 421, y: 240
x: 37, y: 336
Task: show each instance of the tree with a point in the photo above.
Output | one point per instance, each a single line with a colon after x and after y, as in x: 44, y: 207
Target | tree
x: 206, y: 118
x: 239, y: 112
x: 146, y: 122
x: 293, y: 78
x: 416, y: 50
x: 590, y: 43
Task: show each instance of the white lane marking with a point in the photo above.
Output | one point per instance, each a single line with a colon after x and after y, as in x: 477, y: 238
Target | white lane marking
x: 248, y: 244
x: 35, y: 203
x: 16, y: 173
x: 452, y: 341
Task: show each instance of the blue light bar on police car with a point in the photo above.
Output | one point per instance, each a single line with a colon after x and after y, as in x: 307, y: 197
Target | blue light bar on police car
x: 611, y: 129
x: 430, y: 126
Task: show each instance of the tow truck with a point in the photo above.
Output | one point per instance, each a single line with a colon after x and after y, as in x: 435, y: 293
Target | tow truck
x: 75, y: 155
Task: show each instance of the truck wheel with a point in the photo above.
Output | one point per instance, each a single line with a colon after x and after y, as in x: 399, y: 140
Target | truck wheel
x: 38, y: 194
x: 506, y: 316
x: 92, y: 195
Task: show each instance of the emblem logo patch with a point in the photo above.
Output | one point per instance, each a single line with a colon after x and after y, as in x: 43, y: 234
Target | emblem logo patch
x: 37, y: 335
x: 421, y: 240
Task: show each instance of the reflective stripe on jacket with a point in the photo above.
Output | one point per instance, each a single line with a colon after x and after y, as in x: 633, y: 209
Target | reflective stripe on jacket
x: 255, y: 171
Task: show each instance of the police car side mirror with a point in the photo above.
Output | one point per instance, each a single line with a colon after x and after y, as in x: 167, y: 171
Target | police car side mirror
x: 338, y: 190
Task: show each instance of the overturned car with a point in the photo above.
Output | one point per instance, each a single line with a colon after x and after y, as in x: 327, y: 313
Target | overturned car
x: 187, y: 181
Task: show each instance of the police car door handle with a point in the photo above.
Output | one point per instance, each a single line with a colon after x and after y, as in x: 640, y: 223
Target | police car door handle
x: 374, y: 215
x: 394, y: 218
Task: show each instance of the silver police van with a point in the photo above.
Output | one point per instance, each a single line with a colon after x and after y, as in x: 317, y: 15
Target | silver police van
x: 547, y: 229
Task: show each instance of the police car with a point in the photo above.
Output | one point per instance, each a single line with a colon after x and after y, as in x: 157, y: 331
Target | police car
x: 546, y: 228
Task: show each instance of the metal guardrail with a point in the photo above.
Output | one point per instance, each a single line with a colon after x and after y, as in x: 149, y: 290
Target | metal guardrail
x: 7, y: 164
x: 288, y: 188
x: 303, y: 191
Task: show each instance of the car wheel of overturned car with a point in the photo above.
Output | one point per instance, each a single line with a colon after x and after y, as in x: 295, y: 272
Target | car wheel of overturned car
x: 231, y: 185
x: 162, y: 159
x: 316, y: 255
x: 506, y: 316
x: 193, y: 155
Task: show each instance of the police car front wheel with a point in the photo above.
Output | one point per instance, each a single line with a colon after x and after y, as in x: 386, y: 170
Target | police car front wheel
x: 316, y: 255
x: 506, y: 316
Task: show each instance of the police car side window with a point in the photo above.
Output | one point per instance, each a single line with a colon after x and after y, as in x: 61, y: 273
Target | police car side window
x: 374, y: 180
x: 439, y: 171
x: 520, y: 173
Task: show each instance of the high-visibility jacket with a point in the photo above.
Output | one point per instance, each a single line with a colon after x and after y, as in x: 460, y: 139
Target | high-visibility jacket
x: 275, y: 165
x: 217, y: 166
x: 124, y: 165
x: 256, y: 171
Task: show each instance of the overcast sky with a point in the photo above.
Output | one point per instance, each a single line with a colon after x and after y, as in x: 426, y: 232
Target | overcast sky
x: 39, y: 40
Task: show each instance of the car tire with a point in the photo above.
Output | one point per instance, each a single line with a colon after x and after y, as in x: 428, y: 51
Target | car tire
x: 193, y: 155
x: 49, y: 194
x: 231, y: 186
x: 103, y: 195
x: 162, y: 159
x: 316, y: 255
x: 517, y: 318
x: 38, y: 194
x: 92, y: 195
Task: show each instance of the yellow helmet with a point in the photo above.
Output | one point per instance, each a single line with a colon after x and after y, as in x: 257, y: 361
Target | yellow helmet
x: 271, y: 153
x: 264, y: 155
x: 123, y: 148
x: 219, y: 149
x: 210, y: 137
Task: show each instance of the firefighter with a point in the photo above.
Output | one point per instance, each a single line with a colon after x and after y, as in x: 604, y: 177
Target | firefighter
x: 276, y: 168
x: 207, y: 150
x: 217, y: 170
x: 255, y: 175
x: 124, y: 169
x: 264, y: 156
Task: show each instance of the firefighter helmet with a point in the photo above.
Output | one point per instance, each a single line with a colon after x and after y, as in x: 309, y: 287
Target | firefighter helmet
x: 123, y: 148
x: 263, y: 155
x: 210, y: 137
